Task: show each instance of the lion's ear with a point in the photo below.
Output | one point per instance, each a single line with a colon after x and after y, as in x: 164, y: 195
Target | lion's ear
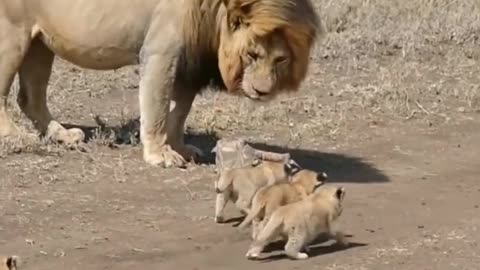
x: 238, y: 12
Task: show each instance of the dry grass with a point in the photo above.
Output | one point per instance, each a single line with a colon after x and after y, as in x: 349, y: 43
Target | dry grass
x: 400, y: 60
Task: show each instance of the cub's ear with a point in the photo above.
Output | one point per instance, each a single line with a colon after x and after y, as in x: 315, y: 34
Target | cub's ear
x: 340, y: 193
x: 291, y: 167
x: 256, y: 162
x: 322, y: 177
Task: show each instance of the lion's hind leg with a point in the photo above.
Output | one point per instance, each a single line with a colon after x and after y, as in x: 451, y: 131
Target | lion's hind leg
x: 34, y: 74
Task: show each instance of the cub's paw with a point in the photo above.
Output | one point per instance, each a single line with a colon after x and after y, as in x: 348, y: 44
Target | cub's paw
x: 219, y: 220
x: 301, y: 256
x: 165, y: 157
x: 253, y: 253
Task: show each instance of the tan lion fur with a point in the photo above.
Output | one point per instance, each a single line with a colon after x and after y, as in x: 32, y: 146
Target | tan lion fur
x: 302, y: 222
x: 269, y: 198
x: 239, y: 185
x: 258, y: 48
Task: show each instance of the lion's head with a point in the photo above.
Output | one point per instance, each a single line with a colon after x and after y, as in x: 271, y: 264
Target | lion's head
x: 265, y: 45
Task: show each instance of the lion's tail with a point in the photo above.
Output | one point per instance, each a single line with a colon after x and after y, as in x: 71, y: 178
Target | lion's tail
x: 225, y: 180
x: 256, y: 208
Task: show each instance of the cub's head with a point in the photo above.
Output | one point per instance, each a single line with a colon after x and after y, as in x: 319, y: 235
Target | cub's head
x: 265, y: 45
x: 333, y: 195
x: 9, y: 263
x: 309, y: 179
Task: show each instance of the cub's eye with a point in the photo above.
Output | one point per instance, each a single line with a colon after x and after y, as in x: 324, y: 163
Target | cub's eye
x: 281, y: 59
x: 252, y: 55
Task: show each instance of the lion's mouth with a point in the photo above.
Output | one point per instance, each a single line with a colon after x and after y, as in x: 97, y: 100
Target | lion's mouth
x: 257, y: 96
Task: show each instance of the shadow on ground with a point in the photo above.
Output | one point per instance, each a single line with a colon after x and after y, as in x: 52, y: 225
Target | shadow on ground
x: 315, y: 250
x: 340, y: 168
x: 320, y: 246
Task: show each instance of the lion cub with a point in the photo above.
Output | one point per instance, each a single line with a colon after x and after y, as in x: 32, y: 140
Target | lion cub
x: 240, y: 184
x: 302, y: 222
x: 9, y: 263
x: 269, y: 198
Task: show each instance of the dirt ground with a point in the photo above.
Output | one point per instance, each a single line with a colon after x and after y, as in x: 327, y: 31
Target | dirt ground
x: 390, y: 110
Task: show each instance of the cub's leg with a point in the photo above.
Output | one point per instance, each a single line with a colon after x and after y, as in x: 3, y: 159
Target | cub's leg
x: 340, y: 238
x: 32, y: 98
x: 255, y: 228
x: 296, y: 243
x: 264, y: 237
x: 180, y: 106
x: 263, y: 223
x: 243, y: 205
x: 14, y: 42
x: 220, y: 203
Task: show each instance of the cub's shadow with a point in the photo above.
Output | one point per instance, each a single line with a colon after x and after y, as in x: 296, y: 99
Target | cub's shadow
x: 320, y: 246
x: 339, y: 167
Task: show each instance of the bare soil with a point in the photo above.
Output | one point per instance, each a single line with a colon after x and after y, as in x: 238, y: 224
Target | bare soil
x: 390, y: 110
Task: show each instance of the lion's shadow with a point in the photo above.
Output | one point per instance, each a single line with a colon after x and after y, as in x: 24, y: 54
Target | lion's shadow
x: 340, y: 168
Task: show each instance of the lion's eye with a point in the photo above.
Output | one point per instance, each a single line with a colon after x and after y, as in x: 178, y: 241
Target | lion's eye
x: 253, y: 55
x: 281, y: 59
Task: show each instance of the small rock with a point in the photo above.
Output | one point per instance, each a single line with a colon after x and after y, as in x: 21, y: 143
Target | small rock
x: 461, y: 109
x: 420, y: 227
x: 49, y: 202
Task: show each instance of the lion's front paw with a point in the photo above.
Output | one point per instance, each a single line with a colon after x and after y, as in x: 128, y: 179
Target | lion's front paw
x: 70, y: 137
x: 165, y: 157
x: 189, y: 152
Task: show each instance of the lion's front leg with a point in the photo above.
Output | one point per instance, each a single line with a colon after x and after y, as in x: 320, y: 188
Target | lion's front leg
x: 156, y: 83
x: 180, y: 106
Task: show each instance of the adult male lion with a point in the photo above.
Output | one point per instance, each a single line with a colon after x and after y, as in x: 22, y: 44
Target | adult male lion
x: 256, y: 47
